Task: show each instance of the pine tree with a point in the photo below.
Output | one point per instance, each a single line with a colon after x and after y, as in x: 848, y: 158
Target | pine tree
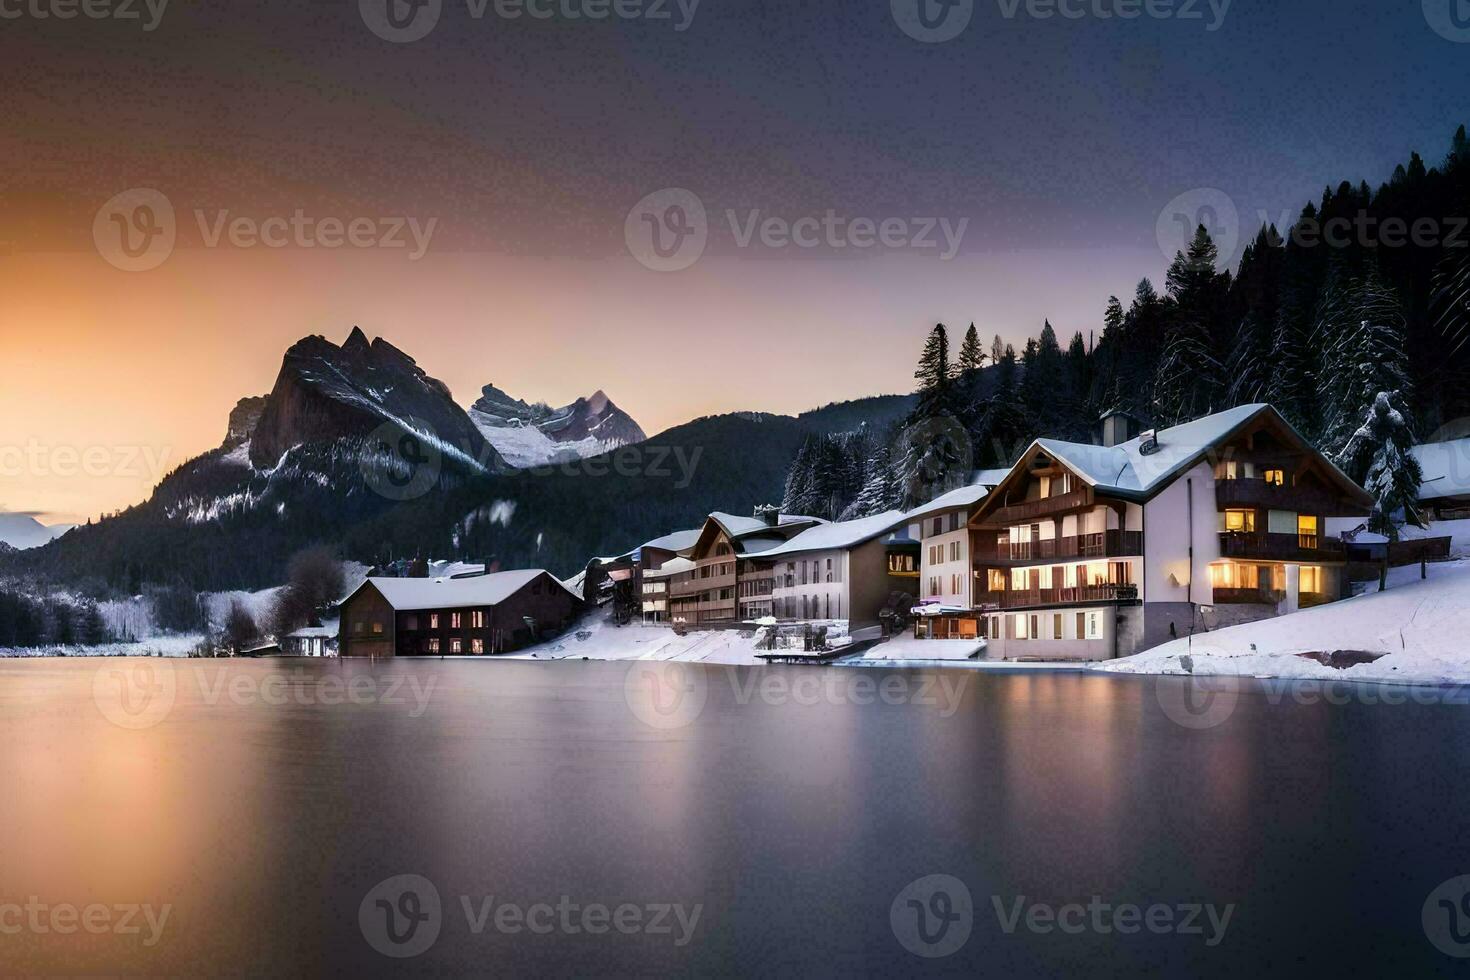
x: 935, y: 375
x: 1360, y: 330
x: 972, y: 356
x: 1381, y: 449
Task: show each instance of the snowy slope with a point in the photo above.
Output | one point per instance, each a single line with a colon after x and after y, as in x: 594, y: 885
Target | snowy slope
x: 21, y: 531
x: 530, y: 435
x: 1420, y: 626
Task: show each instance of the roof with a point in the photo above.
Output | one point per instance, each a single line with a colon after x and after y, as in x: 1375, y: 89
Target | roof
x: 991, y: 478
x: 1124, y: 470
x: 313, y: 632
x: 738, y: 527
x: 678, y: 541
x: 839, y: 536
x: 964, y: 497
x: 1446, y: 467
x: 671, y: 567
x: 450, y: 593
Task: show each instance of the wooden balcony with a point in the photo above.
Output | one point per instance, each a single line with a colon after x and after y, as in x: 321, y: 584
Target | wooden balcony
x: 1042, y: 598
x: 1031, y: 510
x: 1256, y: 597
x: 1281, y: 547
x: 1256, y: 492
x: 1082, y: 547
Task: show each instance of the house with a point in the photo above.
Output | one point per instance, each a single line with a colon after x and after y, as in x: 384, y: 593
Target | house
x: 655, y: 588
x: 946, y: 587
x: 1091, y: 552
x: 1445, y: 492
x: 484, y: 614
x: 727, y: 584
x: 832, y: 571
x: 311, y: 641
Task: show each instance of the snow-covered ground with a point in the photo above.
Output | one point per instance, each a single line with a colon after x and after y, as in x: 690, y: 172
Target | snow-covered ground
x: 1420, y: 628
x: 596, y: 638
x: 158, y: 646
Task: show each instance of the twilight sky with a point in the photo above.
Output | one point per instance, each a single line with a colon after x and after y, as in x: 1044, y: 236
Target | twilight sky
x: 517, y: 148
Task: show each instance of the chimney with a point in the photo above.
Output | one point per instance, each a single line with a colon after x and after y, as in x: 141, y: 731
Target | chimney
x: 1117, y: 427
x: 771, y: 515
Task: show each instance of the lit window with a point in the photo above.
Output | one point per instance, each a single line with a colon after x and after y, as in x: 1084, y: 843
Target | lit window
x: 378, y: 628
x: 433, y: 621
x: 1277, y: 478
x: 434, y: 646
x: 456, y: 646
x: 477, y: 646
x: 454, y: 621
x: 1306, y: 525
x: 477, y: 618
x: 1240, y: 520
x: 1022, y: 627
x: 1311, y: 579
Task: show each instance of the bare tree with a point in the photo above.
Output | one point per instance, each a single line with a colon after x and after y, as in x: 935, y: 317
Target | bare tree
x: 240, y: 628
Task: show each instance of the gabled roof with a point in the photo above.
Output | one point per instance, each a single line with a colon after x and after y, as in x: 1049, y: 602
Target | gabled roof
x: 990, y: 478
x: 671, y: 567
x: 738, y: 527
x: 1125, y: 471
x: 676, y: 542
x: 750, y: 535
x: 961, y: 499
x: 839, y: 536
x: 454, y: 593
x: 1446, y: 467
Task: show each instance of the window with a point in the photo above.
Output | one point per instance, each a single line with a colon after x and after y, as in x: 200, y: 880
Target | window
x: 1081, y: 625
x: 1277, y: 478
x: 433, y: 645
x: 378, y: 629
x: 433, y: 621
x: 995, y: 580
x: 456, y: 646
x: 1306, y: 530
x: 1094, y: 626
x: 996, y: 627
x: 1023, y: 631
x: 829, y: 569
x: 938, y: 526
x: 1311, y: 580
x: 1230, y: 575
x: 477, y: 618
x: 1238, y: 521
x: 1035, y: 627
x: 1056, y: 626
x: 954, y: 551
x: 455, y: 621
x: 361, y: 627
x: 477, y: 647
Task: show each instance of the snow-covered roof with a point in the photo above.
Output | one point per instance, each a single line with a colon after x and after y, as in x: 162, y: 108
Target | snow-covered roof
x: 313, y: 632
x: 839, y: 536
x: 758, y: 544
x: 678, y: 541
x: 954, y: 500
x: 737, y: 527
x: 1446, y: 467
x: 991, y: 478
x: 671, y: 567
x: 448, y: 593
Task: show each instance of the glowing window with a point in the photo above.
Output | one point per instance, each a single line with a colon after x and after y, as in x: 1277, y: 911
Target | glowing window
x: 1240, y: 520
x: 1277, y: 478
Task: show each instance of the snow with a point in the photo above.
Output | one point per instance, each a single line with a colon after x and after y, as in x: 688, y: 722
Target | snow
x: 678, y: 541
x: 906, y: 647
x: 671, y: 567
x: 839, y: 536
x: 737, y: 527
x: 1446, y: 467
x: 1419, y: 626
x: 955, y: 499
x: 525, y: 446
x: 1457, y: 531
x: 21, y: 531
x: 158, y: 646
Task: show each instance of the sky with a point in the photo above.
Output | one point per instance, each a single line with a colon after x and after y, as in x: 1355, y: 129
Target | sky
x: 828, y: 179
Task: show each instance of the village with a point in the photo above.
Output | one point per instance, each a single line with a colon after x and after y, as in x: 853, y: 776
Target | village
x: 1079, y: 553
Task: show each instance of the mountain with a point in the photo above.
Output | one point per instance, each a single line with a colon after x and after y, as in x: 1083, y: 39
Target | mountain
x: 535, y: 435
x: 357, y: 448
x: 21, y: 531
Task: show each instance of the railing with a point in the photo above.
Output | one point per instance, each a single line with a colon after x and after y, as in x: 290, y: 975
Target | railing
x: 1256, y: 492
x: 1065, y: 596
x: 1281, y: 547
x: 1102, y: 544
x: 1256, y: 596
x: 1032, y: 509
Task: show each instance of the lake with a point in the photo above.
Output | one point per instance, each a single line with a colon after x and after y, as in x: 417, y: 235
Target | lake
x: 454, y: 817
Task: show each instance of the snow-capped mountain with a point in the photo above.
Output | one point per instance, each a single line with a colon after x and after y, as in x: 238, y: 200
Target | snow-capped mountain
x: 533, y: 435
x: 21, y: 531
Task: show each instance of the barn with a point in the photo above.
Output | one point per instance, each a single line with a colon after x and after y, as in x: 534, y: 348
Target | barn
x: 475, y: 616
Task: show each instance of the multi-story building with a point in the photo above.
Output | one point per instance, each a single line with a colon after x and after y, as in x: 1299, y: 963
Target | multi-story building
x: 946, y: 572
x: 1092, y: 552
x: 657, y: 583
x: 710, y: 592
x: 834, y: 571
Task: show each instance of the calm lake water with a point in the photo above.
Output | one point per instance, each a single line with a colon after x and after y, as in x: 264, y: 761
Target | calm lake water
x: 601, y: 819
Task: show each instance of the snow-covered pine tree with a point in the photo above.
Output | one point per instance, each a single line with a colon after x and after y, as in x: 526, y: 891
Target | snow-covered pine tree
x: 1360, y: 329
x: 1190, y: 379
x: 880, y: 492
x: 798, y: 497
x: 1381, y: 450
